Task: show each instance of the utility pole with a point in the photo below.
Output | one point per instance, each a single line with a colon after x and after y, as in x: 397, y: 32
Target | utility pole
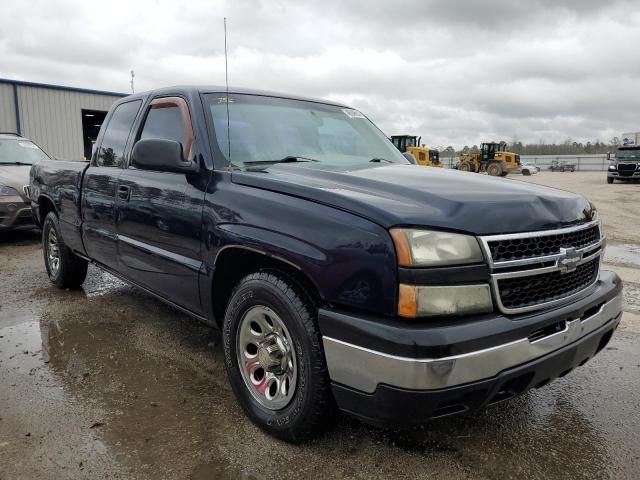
x: 133, y: 75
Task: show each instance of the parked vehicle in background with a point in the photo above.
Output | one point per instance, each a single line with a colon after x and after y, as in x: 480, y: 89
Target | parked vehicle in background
x: 492, y: 158
x: 17, y: 154
x: 557, y: 166
x: 626, y: 163
x: 410, y: 144
x: 527, y: 169
x: 338, y: 272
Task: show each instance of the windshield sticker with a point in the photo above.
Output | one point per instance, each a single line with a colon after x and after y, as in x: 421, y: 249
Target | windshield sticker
x: 351, y: 113
x: 223, y: 100
x: 27, y: 145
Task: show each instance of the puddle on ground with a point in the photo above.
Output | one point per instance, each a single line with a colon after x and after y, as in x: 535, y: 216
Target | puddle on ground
x: 623, y: 254
x: 157, y: 381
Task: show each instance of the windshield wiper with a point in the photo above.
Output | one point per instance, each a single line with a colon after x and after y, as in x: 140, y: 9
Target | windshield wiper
x: 379, y: 160
x: 287, y: 159
x: 15, y: 163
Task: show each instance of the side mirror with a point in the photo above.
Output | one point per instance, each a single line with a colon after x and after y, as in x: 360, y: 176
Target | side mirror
x: 608, y: 155
x: 410, y: 157
x: 161, y: 155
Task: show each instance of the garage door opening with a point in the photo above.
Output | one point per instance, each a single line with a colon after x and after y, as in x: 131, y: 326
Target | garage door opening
x: 91, y: 122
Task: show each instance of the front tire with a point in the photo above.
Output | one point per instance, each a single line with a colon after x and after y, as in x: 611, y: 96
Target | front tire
x: 65, y: 269
x: 609, y: 180
x: 495, y: 169
x: 466, y: 166
x: 274, y: 357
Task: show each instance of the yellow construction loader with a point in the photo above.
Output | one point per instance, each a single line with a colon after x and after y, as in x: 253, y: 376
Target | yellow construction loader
x: 428, y: 157
x: 493, y: 158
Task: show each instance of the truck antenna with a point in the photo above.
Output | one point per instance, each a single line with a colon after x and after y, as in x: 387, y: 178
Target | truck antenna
x: 133, y: 75
x: 226, y: 79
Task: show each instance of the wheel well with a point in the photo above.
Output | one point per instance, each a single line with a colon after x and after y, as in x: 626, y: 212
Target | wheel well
x: 45, y: 206
x: 234, y: 263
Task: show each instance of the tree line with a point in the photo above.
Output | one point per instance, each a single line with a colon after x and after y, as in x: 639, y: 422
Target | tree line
x: 568, y: 147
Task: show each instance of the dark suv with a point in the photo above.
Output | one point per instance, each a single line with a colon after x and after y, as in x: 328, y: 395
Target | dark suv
x: 17, y: 154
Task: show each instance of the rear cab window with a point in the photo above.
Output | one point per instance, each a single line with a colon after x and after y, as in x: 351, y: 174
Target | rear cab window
x: 114, y: 140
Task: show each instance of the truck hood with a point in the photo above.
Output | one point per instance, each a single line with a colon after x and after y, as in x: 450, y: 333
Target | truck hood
x: 15, y: 176
x: 413, y: 195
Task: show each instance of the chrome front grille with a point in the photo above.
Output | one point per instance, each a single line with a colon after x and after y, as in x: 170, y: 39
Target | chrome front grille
x: 537, y: 270
x: 528, y: 247
x: 518, y: 292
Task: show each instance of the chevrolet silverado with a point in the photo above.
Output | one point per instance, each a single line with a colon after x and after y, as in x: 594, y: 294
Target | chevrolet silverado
x: 339, y: 273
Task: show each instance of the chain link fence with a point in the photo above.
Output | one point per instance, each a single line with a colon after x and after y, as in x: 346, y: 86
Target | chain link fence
x: 585, y: 163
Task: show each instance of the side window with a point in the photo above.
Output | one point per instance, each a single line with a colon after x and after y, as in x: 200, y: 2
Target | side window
x: 114, y: 140
x: 168, y: 119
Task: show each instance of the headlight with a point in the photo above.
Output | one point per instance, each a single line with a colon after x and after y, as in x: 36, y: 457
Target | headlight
x: 612, y: 167
x: 425, y: 248
x: 417, y: 301
x: 8, y: 191
x: 601, y: 228
x: 595, y: 217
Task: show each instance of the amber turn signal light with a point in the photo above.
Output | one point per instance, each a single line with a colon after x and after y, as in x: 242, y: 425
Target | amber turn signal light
x: 408, y: 301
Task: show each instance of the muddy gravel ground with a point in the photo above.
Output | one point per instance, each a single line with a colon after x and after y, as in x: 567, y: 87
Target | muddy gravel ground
x: 106, y: 382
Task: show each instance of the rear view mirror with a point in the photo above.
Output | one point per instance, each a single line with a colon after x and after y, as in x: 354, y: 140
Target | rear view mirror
x: 161, y: 155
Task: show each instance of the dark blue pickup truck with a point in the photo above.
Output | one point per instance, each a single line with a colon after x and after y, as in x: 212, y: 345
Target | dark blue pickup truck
x: 338, y: 272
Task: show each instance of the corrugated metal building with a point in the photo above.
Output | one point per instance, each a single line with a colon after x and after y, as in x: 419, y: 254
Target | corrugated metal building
x: 64, y: 121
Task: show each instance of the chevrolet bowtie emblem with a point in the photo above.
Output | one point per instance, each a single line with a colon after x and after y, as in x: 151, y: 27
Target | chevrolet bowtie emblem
x: 569, y: 259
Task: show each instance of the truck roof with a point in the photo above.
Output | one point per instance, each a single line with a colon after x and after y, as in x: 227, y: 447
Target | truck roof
x: 198, y: 89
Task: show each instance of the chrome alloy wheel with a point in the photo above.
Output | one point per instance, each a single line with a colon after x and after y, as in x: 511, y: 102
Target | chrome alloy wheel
x: 266, y: 357
x: 53, y: 252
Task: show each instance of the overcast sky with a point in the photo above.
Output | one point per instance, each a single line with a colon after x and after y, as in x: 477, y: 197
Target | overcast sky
x: 455, y: 72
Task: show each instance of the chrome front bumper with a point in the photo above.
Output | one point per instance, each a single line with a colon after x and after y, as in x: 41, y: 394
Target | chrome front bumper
x: 364, y: 369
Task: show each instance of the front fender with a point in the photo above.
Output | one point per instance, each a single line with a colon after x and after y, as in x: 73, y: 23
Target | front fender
x: 350, y: 260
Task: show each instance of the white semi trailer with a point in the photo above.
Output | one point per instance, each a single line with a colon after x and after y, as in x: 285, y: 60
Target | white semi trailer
x: 631, y: 139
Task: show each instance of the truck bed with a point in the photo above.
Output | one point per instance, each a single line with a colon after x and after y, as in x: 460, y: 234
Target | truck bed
x: 59, y: 182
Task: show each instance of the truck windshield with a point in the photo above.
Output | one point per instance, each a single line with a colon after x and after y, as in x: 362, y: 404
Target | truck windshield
x: 20, y: 152
x: 265, y: 130
x: 628, y: 155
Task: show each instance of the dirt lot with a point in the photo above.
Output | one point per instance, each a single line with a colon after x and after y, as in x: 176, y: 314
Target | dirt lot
x: 106, y: 382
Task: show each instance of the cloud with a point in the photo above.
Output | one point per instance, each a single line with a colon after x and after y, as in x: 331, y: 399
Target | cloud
x: 456, y: 72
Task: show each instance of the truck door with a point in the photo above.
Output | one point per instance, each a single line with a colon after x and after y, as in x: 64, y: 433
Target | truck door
x: 99, y: 186
x: 159, y: 218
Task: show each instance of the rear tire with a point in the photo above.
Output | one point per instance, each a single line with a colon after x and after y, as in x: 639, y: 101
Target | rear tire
x: 610, y: 180
x: 271, y: 337
x: 65, y: 269
x: 495, y: 169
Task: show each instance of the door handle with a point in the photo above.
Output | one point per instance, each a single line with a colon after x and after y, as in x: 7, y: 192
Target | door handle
x: 123, y: 192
